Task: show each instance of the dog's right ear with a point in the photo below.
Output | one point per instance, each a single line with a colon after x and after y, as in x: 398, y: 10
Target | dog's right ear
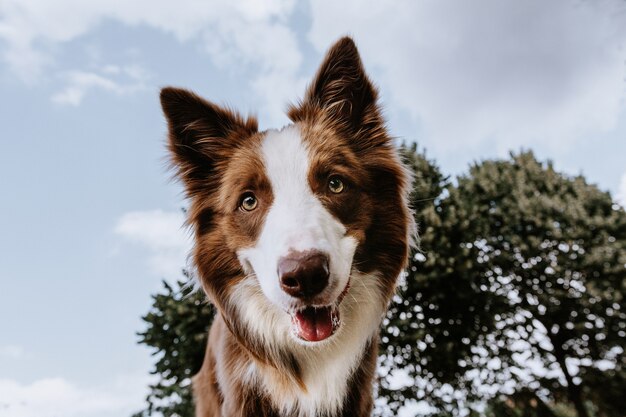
x: 201, y: 136
x: 342, y: 89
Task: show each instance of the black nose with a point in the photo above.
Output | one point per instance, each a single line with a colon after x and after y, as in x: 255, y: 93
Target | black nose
x: 303, y: 274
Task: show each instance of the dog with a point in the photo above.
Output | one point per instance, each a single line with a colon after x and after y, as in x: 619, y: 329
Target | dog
x: 300, y: 236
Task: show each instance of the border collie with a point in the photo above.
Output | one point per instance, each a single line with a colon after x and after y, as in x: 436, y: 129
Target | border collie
x: 300, y: 235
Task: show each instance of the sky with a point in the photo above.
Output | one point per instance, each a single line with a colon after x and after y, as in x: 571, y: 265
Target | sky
x: 90, y: 221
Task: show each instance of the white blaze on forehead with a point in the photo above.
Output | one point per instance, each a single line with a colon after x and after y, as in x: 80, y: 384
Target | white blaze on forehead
x: 287, y: 166
x: 296, y: 211
x: 297, y: 220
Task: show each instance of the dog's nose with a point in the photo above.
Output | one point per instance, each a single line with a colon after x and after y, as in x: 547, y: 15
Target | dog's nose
x: 303, y: 274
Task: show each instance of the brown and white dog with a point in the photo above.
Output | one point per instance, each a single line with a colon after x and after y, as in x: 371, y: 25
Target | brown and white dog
x: 300, y: 235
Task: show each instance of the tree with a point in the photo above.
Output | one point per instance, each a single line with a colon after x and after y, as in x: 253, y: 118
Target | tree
x: 442, y: 316
x: 518, y: 287
x: 177, y: 328
x: 556, y: 249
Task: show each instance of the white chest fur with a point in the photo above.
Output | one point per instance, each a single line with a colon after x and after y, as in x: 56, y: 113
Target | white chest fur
x: 326, y: 366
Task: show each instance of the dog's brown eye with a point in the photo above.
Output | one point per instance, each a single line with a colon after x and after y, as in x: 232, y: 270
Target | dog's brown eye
x: 335, y: 185
x: 248, y: 202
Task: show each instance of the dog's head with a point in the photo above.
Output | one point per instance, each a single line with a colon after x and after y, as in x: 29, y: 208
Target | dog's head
x: 287, y: 222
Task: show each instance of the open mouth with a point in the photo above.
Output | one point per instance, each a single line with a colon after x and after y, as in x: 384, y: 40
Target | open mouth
x: 317, y: 323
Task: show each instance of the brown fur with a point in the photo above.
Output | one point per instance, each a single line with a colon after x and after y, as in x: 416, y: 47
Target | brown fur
x: 216, y: 154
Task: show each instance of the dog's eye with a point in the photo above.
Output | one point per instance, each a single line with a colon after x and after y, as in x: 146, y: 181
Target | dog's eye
x: 248, y: 202
x: 335, y: 185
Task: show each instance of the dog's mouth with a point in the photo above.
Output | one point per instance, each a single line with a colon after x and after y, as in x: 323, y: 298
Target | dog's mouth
x: 317, y: 323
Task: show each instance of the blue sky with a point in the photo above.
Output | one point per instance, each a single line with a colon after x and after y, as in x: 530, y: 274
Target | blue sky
x: 90, y: 222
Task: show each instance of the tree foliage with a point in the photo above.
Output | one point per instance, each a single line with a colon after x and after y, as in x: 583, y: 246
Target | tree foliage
x: 441, y: 314
x: 518, y: 285
x: 556, y: 249
x: 177, y: 330
x: 512, y: 305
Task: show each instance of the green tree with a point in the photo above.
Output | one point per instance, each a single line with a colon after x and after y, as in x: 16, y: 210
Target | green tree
x: 556, y: 250
x: 177, y: 329
x: 442, y: 315
x: 518, y: 288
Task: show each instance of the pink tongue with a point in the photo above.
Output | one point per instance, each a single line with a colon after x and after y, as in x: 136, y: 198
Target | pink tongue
x: 314, y: 324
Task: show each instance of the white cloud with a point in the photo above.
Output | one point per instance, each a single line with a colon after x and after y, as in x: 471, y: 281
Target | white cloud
x: 507, y: 73
x: 52, y: 397
x: 114, y: 79
x: 620, y: 197
x: 162, y: 233
x: 252, y: 33
x: 273, y: 52
x: 11, y: 352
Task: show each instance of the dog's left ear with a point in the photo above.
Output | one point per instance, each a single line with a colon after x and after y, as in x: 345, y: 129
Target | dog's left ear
x: 342, y: 90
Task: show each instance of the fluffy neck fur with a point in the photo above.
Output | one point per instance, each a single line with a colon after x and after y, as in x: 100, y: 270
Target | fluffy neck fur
x: 264, y: 371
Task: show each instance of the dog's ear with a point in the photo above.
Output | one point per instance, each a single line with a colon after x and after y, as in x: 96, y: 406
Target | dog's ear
x: 341, y: 89
x: 201, y: 135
